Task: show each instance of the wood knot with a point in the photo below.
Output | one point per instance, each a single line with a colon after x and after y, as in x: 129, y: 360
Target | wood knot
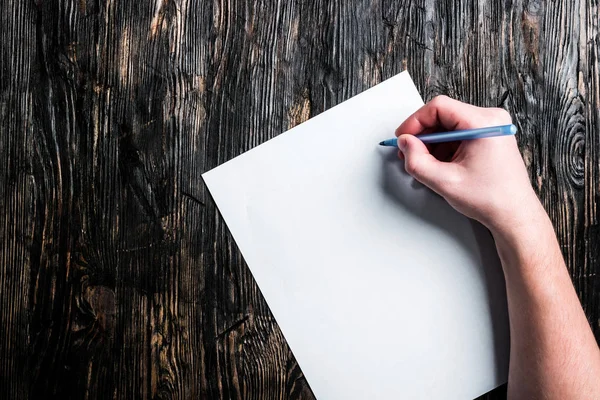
x: 101, y: 301
x: 534, y: 7
x: 530, y: 23
x: 576, y: 158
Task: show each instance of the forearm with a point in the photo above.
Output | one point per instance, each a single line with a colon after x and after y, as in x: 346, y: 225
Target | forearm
x: 553, y: 352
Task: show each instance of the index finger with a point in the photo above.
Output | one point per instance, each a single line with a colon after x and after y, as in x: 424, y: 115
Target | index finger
x: 442, y: 112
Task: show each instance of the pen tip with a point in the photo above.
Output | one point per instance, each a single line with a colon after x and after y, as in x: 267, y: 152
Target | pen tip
x: 381, y: 143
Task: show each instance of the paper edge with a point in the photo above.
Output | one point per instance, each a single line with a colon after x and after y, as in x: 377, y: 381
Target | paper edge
x: 316, y: 117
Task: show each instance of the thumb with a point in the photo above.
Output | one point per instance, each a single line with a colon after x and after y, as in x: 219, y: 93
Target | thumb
x: 422, y: 166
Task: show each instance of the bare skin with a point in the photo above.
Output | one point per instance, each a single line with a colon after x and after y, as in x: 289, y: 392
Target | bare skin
x: 553, y: 352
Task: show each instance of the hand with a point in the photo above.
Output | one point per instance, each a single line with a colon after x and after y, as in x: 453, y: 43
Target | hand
x: 484, y: 179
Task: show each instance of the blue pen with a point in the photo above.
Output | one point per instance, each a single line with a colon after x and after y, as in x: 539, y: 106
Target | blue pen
x: 468, y: 134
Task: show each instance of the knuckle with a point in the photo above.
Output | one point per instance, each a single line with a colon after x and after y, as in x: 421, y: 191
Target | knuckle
x: 454, y: 181
x: 412, y: 167
x: 439, y: 100
x: 452, y: 184
x: 501, y: 116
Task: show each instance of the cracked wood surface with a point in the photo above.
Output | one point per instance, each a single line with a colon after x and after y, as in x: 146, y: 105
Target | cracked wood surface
x: 118, y: 279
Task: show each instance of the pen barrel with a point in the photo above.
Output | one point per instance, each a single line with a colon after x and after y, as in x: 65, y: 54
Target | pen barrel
x: 480, y: 133
x: 470, y: 134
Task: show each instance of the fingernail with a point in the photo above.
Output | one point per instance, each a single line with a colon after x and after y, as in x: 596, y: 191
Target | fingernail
x: 402, y: 143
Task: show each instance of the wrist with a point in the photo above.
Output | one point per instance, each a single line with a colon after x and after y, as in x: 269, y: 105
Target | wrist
x: 527, y: 243
x: 522, y: 218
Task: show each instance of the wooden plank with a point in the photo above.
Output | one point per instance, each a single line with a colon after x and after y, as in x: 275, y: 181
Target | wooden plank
x: 551, y: 74
x: 119, y: 279
x: 17, y: 196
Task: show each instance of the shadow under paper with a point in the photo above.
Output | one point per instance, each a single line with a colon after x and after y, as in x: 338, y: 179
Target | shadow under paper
x: 399, y: 186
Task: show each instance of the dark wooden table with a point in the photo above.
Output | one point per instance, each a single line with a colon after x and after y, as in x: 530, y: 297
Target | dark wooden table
x: 118, y: 279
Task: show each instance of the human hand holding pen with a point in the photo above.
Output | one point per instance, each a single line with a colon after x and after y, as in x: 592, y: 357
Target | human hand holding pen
x: 484, y: 179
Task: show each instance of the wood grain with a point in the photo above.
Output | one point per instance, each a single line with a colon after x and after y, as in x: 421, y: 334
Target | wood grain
x: 118, y: 279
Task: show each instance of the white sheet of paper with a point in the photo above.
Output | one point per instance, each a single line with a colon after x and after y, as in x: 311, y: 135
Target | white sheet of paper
x: 381, y: 289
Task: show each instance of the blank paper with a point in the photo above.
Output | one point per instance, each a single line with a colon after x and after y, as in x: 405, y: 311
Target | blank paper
x: 381, y: 289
